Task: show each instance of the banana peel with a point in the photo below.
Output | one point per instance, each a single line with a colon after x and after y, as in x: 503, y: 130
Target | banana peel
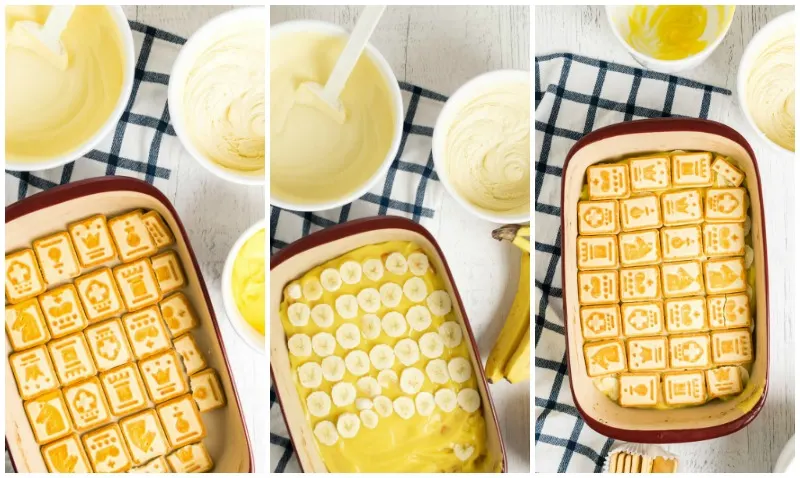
x: 518, y: 368
x: 517, y: 234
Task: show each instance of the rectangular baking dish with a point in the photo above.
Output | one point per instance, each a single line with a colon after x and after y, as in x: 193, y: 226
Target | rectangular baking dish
x: 320, y: 247
x: 50, y: 211
x: 716, y: 418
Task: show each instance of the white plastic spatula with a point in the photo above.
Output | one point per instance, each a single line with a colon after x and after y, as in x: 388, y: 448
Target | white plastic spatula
x: 328, y: 96
x: 46, y: 39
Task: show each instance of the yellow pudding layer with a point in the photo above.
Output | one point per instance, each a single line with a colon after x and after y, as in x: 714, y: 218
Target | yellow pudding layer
x: 52, y: 110
x: 316, y: 156
x: 429, y: 438
x: 248, y: 281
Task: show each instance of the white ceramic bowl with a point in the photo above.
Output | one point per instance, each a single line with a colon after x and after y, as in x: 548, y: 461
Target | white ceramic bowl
x: 397, y: 111
x: 246, y: 331
x: 452, y: 107
x: 126, y: 36
x: 194, y: 46
x: 754, y: 48
x: 617, y: 16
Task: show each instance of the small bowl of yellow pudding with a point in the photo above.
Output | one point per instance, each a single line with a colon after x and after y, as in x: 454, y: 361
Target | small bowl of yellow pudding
x: 243, y: 286
x: 57, y: 109
x: 319, y: 160
x: 670, y: 38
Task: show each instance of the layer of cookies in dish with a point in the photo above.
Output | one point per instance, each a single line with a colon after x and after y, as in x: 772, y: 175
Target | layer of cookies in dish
x: 382, y: 366
x: 665, y: 279
x: 103, y: 355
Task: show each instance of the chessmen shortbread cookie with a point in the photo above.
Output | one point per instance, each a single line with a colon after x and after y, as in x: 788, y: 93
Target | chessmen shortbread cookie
x: 598, y: 287
x: 137, y: 284
x: 108, y: 344
x: 682, y: 279
x: 144, y: 436
x: 181, y: 420
x: 57, y: 258
x: 681, y: 243
x: 642, y: 318
x: 639, y: 284
x: 726, y: 205
x: 66, y: 456
x: 640, y: 212
x: 597, y: 252
x: 190, y: 353
x: 684, y: 388
x: 178, y: 314
x: 638, y: 389
x: 604, y: 358
x: 124, y: 389
x: 723, y: 381
x: 163, y: 376
x: 87, y: 404
x: 48, y: 417
x: 159, y: 232
x: 92, y: 241
x: 207, y: 390
x: 725, y: 276
x: 728, y: 311
x: 63, y: 311
x: 639, y: 248
x: 732, y: 175
x: 598, y: 217
x: 99, y: 295
x: 679, y: 208
x: 168, y: 271
x: 608, y: 181
x: 650, y: 173
x: 107, y: 451
x: 131, y: 236
x: 25, y: 325
x: 33, y: 372
x: 71, y: 358
x: 685, y: 315
x: 600, y: 322
x: 156, y: 465
x: 691, y: 170
x: 730, y: 347
x: 724, y: 239
x: 647, y: 354
x: 146, y: 332
x: 689, y: 351
x: 191, y: 459
x: 23, y: 277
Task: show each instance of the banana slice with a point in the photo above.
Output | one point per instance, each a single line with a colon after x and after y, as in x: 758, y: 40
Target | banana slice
x: 370, y: 326
x: 322, y: 315
x: 437, y: 371
x: 418, y: 263
x: 425, y: 403
x: 407, y: 352
x: 383, y: 405
x: 294, y: 291
x: 460, y: 369
x: 418, y: 317
x: 319, y: 404
x: 382, y: 357
x: 396, y: 264
x: 411, y: 380
x: 373, y: 269
x: 369, y: 418
x: 326, y: 433
x: 394, y: 324
x: 298, y: 314
x: 439, y: 303
x: 310, y: 375
x: 299, y: 345
x: 312, y: 289
x: 347, y: 306
x: 343, y: 394
x: 369, y: 299
x: 431, y: 345
x: 331, y: 280
x: 415, y: 289
x: 357, y: 362
x: 387, y: 378
x: 463, y: 452
x: 333, y: 368
x: 450, y: 333
x: 446, y: 399
x: 348, y: 336
x: 749, y: 254
x: 403, y: 407
x: 350, y: 272
x: 323, y: 344
x: 368, y: 386
x: 348, y: 424
x: 391, y: 294
x: 469, y: 400
x: 363, y: 403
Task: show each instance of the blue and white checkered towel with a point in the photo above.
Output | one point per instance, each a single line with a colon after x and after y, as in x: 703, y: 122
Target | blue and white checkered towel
x: 411, y: 189
x: 574, y: 96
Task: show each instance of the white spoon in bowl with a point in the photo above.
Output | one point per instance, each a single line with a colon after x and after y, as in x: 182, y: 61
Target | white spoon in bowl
x: 46, y: 39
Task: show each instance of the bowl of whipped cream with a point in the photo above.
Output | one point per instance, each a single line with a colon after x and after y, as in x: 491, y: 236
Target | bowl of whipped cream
x: 482, y: 146
x: 57, y: 109
x: 216, y: 95
x: 765, y: 83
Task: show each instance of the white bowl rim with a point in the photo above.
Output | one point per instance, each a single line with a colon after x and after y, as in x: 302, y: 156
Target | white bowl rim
x: 397, y: 102
x: 758, y: 41
x: 126, y: 36
x: 186, y: 55
x: 701, y: 55
x: 246, y: 331
x: 441, y: 128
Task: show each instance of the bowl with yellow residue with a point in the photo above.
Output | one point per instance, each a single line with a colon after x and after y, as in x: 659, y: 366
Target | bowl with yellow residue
x: 670, y: 38
x: 243, y: 286
x: 56, y: 111
x: 216, y: 95
x: 320, y: 161
x: 372, y: 355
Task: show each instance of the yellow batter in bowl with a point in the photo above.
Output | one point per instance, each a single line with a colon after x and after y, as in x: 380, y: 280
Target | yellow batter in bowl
x: 52, y: 111
x: 247, y: 283
x: 381, y: 365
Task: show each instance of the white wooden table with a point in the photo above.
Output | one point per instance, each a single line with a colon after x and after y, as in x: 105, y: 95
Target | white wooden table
x: 585, y: 30
x: 441, y: 48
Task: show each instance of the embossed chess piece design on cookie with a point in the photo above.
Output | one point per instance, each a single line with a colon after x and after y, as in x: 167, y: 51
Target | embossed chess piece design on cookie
x: 190, y: 353
x: 63, y: 311
x: 642, y: 318
x: 598, y: 287
x: 723, y: 381
x: 608, y: 181
x: 57, y: 258
x: 99, y: 295
x: 650, y: 173
x: 138, y: 284
x: 731, y: 347
x: 48, y: 417
x: 600, y: 322
x: 108, y: 344
x: 640, y: 212
x: 206, y: 390
x: 682, y: 207
x: 725, y: 276
x: 723, y: 239
x: 159, y: 232
x: 604, y: 358
x: 163, y: 376
x: 33, y: 372
x: 685, y: 315
x: 71, y: 358
x: 638, y: 390
x: 23, y: 278
x: 691, y: 170
x: 639, y: 248
x: 66, y: 456
x: 87, y: 404
x: 647, y: 353
x: 732, y: 175
x: 597, y: 252
x: 684, y: 388
x: 168, y: 272
x: 131, y: 236
x: 124, y: 389
x: 639, y: 284
x: 689, y: 351
x: 728, y: 311
x: 106, y: 450
x: 92, y: 241
x: 178, y: 314
x: 682, y: 279
x: 144, y: 436
x: 25, y: 325
x: 181, y: 420
x: 598, y: 217
x: 726, y: 205
x: 146, y: 332
x: 681, y: 243
x: 191, y: 459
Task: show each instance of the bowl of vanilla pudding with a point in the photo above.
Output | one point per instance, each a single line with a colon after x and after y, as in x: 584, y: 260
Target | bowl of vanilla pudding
x: 318, y: 161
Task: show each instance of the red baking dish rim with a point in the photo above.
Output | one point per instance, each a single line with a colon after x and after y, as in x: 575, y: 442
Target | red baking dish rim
x: 88, y: 187
x: 661, y: 125
x: 358, y: 226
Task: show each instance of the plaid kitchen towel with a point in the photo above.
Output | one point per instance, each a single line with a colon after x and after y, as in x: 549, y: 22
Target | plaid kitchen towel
x: 143, y: 145
x: 411, y: 189
x: 574, y: 96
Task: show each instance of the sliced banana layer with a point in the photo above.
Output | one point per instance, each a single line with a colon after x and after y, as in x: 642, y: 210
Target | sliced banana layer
x: 373, y: 269
x: 463, y: 452
x: 407, y: 351
x: 369, y: 300
x: 348, y: 336
x: 294, y: 291
x: 333, y: 368
x: 439, y: 303
x: 437, y: 371
x: 411, y: 380
x: 312, y: 289
x: 350, y: 272
x: 347, y: 306
x: 403, y: 407
x: 310, y: 375
x: 425, y: 403
x: 418, y: 317
x: 431, y: 345
x: 368, y: 386
x: 343, y: 394
x: 322, y: 315
x: 460, y: 369
x: 370, y: 326
x: 382, y: 357
x: 319, y: 404
x: 394, y: 324
x: 348, y: 425
x: 387, y: 378
x: 299, y: 345
x: 369, y: 418
x: 326, y: 433
x: 469, y: 400
x: 446, y: 399
x: 357, y: 362
x: 418, y: 263
x: 391, y: 294
x: 331, y: 280
x: 450, y: 332
x: 298, y: 314
x: 383, y: 405
x: 415, y: 289
x: 396, y: 264
x: 323, y: 344
x: 364, y: 403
